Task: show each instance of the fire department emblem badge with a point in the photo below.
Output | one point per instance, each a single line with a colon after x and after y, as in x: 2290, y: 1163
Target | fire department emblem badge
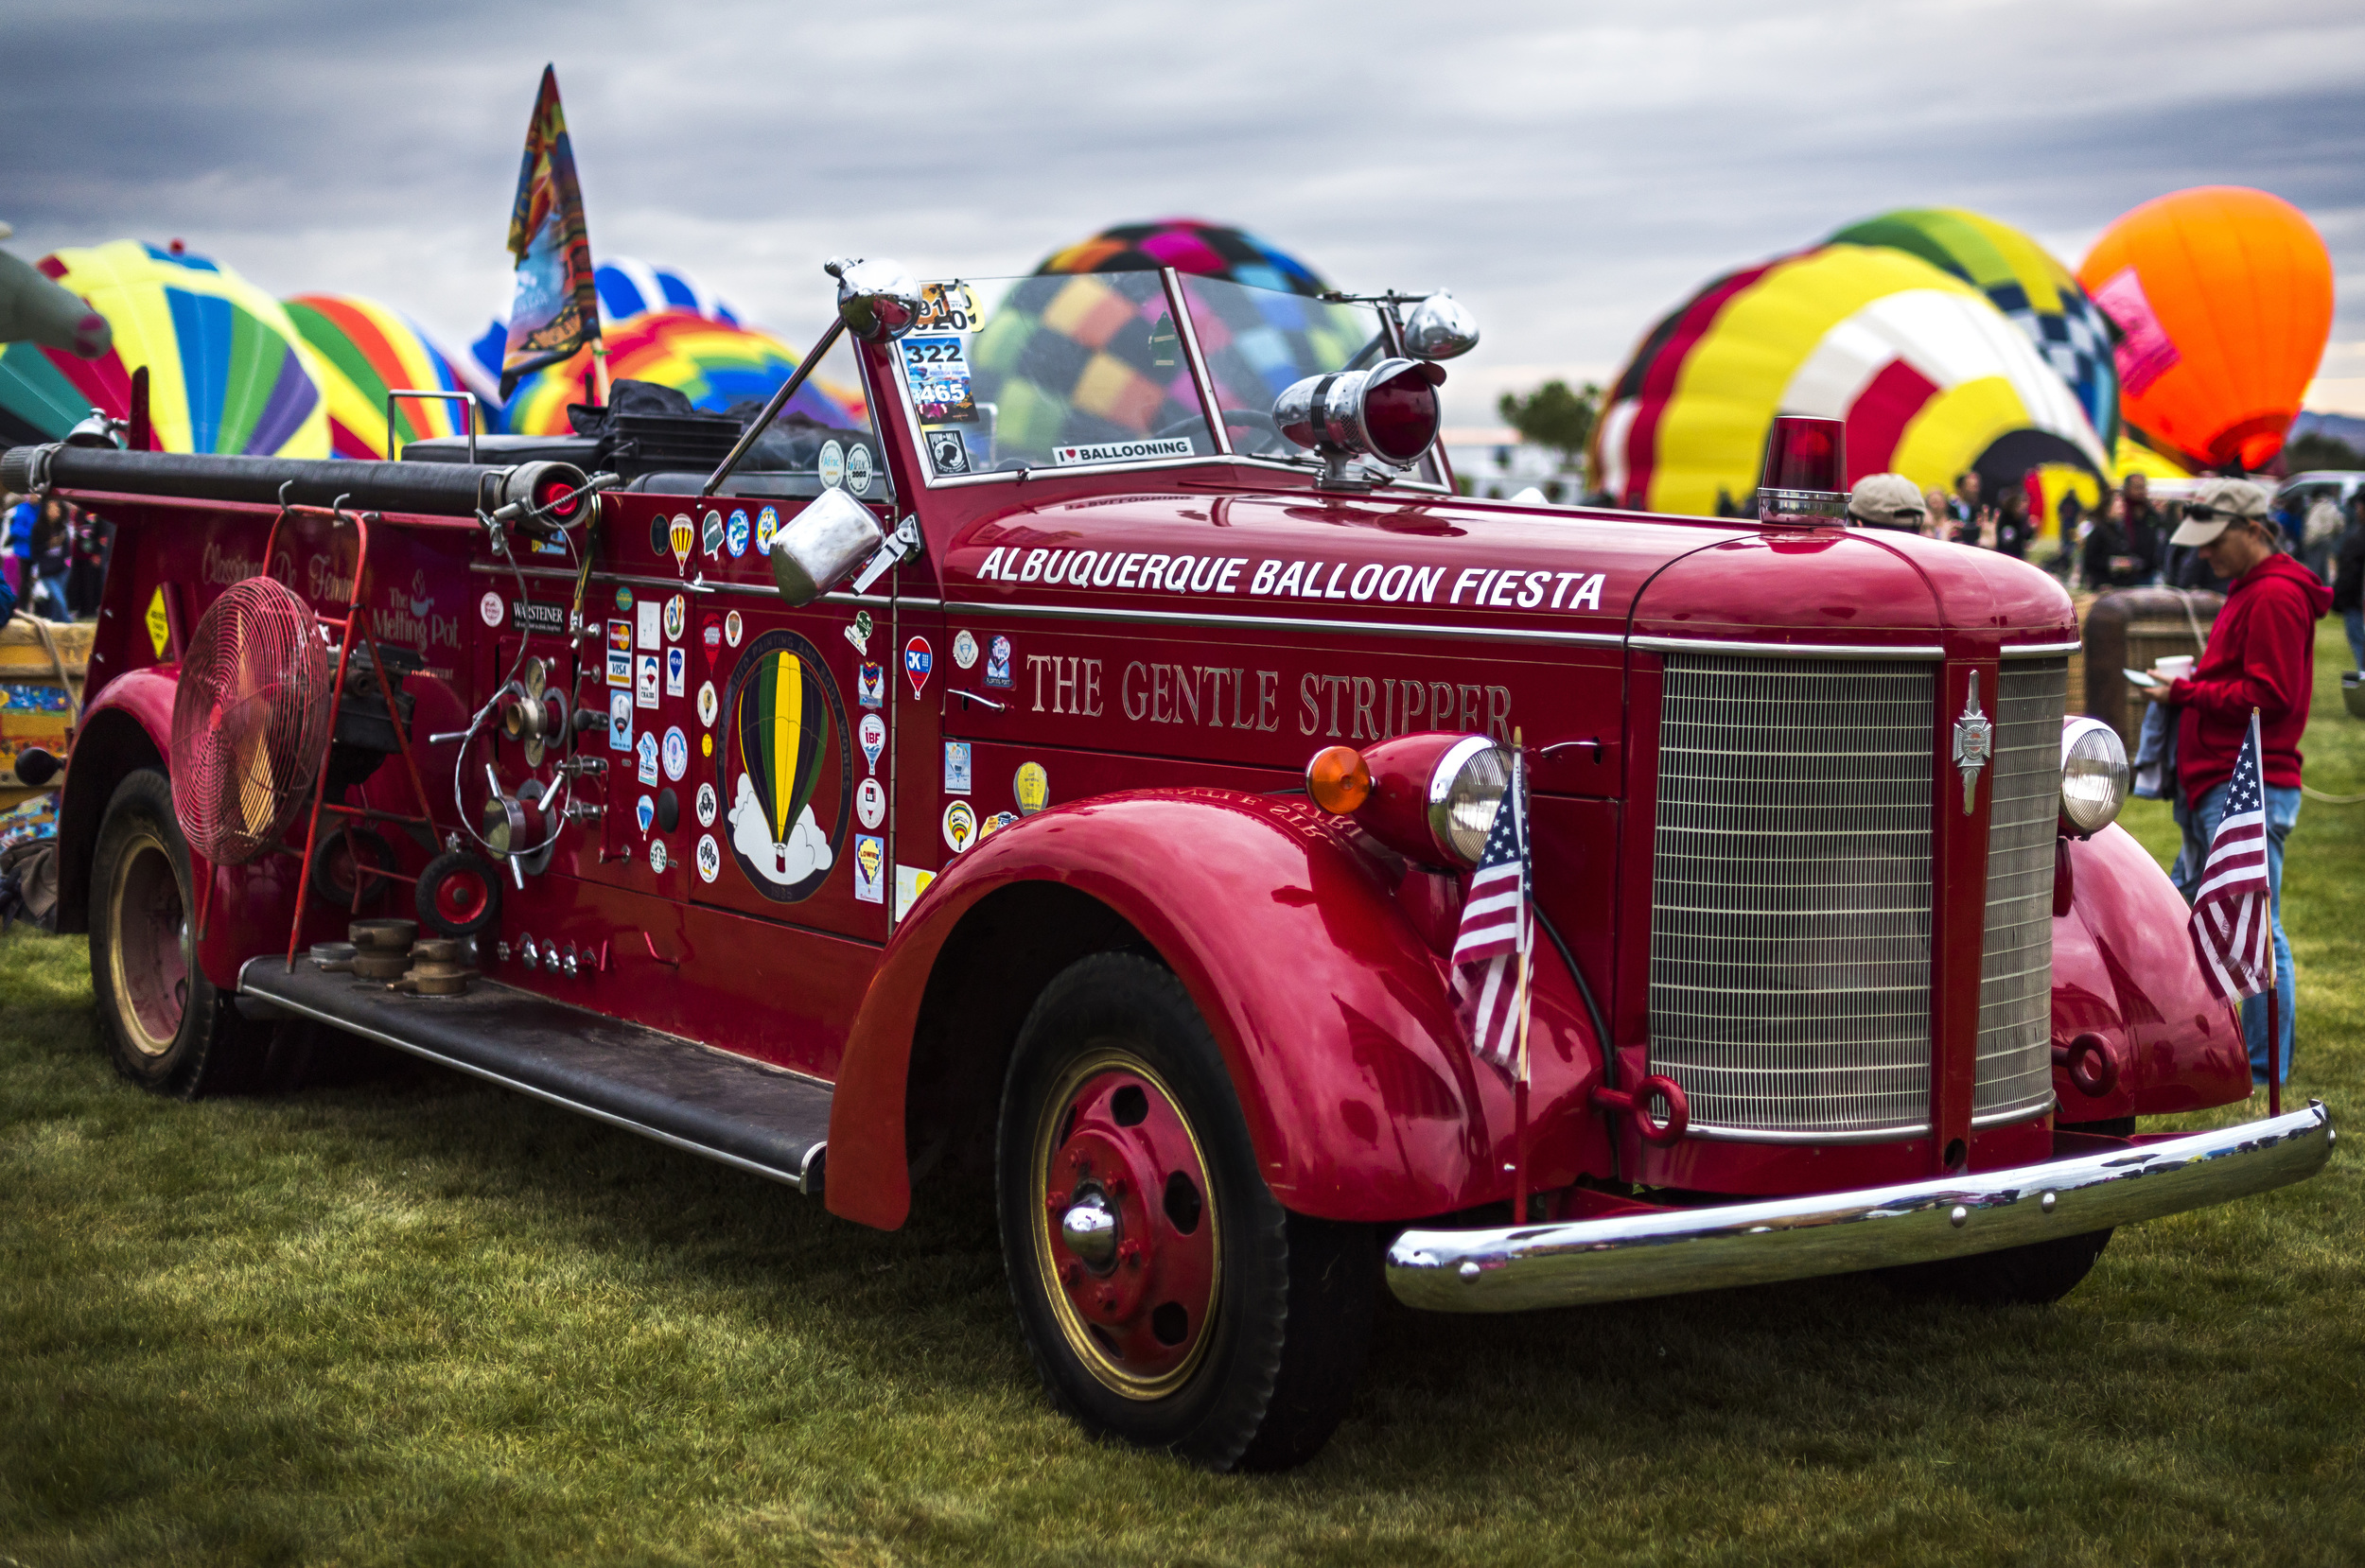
x: 785, y: 768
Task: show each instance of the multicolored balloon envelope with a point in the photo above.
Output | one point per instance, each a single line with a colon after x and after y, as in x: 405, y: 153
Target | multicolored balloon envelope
x: 362, y: 350
x: 2020, y: 278
x: 714, y: 364
x: 785, y: 771
x: 629, y: 289
x: 1187, y: 245
x: 2222, y: 296
x: 227, y: 371
x: 1930, y: 377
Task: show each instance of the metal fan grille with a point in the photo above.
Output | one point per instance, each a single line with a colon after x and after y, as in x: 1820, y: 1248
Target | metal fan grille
x: 250, y: 722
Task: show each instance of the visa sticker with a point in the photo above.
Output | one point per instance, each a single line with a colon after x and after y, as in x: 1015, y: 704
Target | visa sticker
x: 619, y: 669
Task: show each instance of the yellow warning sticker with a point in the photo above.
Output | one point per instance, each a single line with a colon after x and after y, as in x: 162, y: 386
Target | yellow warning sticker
x: 159, y: 623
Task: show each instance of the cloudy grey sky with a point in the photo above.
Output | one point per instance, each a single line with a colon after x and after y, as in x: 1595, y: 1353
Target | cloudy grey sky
x: 1571, y: 170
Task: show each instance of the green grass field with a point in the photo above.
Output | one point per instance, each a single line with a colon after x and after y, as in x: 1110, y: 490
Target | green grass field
x: 424, y: 1321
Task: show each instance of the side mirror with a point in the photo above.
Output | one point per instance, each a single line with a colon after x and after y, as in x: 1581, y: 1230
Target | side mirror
x: 877, y: 300
x: 1440, y: 327
x: 817, y: 547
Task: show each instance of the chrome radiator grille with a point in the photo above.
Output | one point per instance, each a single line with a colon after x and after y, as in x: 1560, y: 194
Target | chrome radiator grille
x: 1790, y: 925
x: 2015, y: 1072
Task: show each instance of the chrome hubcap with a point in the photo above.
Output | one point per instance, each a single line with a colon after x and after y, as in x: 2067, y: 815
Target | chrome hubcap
x: 1089, y: 1231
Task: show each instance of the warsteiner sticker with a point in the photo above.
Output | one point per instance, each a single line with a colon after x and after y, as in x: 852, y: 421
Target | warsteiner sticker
x: 960, y: 825
x: 869, y: 867
x: 1123, y: 451
x: 710, y: 857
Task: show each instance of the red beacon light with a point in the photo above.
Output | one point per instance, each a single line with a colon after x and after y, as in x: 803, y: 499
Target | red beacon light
x: 1806, y: 465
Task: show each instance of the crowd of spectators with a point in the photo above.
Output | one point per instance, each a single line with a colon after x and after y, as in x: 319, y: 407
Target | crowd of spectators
x: 55, y: 558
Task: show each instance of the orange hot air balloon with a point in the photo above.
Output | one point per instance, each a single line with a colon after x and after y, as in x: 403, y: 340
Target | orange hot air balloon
x: 2222, y: 296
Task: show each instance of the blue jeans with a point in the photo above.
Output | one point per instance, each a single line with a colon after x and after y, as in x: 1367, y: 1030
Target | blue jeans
x: 2353, y: 622
x: 2199, y: 824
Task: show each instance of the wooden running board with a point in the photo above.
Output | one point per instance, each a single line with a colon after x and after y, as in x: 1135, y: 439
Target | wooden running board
x: 708, y: 1102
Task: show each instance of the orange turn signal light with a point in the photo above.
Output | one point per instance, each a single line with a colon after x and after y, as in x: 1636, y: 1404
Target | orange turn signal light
x: 1339, y: 779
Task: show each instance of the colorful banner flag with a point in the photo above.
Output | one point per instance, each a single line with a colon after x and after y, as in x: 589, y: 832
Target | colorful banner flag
x: 556, y: 311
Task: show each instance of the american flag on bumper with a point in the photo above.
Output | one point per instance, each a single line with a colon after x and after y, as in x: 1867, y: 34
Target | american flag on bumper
x: 1490, y: 951
x: 2232, y: 926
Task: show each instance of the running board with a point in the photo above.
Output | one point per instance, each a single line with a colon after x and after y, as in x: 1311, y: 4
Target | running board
x: 729, y: 1108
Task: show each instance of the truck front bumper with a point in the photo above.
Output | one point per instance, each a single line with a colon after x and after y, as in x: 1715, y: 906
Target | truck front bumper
x: 1669, y: 1252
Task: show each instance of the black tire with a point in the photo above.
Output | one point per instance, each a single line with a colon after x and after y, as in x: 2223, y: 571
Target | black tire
x: 443, y: 910
x: 2035, y: 1275
x: 1263, y: 1376
x: 336, y: 878
x: 166, y: 1027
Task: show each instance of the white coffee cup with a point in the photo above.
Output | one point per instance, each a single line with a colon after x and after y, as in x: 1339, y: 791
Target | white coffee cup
x: 2175, y: 667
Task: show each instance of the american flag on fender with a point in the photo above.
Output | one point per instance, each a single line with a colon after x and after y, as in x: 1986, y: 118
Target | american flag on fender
x: 1497, y: 928
x: 2232, y: 932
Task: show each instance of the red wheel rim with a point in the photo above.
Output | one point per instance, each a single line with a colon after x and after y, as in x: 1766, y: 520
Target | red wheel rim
x: 149, y: 950
x: 460, y: 897
x: 1128, y: 1240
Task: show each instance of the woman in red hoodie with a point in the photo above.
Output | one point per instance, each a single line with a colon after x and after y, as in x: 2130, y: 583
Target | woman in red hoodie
x: 2261, y: 654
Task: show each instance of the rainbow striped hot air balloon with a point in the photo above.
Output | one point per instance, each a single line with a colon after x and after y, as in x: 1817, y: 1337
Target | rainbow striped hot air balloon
x: 2020, y: 278
x: 362, y: 351
x: 227, y: 371
x: 714, y: 364
x: 1930, y: 377
x: 788, y: 811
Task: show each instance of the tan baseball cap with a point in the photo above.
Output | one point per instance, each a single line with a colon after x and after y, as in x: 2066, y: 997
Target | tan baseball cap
x: 1887, y: 499
x: 2217, y: 503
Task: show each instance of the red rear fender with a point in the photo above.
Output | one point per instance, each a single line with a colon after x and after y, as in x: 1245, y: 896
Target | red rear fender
x: 1332, y: 1015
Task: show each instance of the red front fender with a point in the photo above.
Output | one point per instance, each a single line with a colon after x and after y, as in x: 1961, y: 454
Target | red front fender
x: 126, y: 727
x: 1333, y: 1014
x: 2123, y: 969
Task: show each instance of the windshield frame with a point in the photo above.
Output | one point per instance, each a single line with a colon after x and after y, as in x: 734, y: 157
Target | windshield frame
x: 1415, y: 478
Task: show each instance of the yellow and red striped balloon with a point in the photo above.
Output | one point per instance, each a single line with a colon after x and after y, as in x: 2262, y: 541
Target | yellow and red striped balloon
x: 364, y: 350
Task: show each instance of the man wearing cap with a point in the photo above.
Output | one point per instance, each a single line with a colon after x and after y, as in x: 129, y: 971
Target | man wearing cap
x: 1887, y: 500
x: 2262, y: 655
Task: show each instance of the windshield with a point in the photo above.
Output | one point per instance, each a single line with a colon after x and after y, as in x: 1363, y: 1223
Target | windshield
x: 1260, y: 341
x: 1063, y: 370
x: 1010, y: 373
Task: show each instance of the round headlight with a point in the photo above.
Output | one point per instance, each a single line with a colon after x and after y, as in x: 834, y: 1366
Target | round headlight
x: 1463, y: 791
x: 2095, y: 776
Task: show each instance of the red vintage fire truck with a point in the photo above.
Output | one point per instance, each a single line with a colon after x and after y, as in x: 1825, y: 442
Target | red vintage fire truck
x: 1070, y: 771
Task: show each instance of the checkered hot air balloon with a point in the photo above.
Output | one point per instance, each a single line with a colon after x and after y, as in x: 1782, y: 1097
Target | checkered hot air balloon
x: 227, y: 370
x: 1187, y: 245
x: 2036, y: 293
x: 1927, y: 373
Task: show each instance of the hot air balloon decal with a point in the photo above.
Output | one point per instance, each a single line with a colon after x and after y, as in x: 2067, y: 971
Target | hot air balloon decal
x: 785, y: 767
